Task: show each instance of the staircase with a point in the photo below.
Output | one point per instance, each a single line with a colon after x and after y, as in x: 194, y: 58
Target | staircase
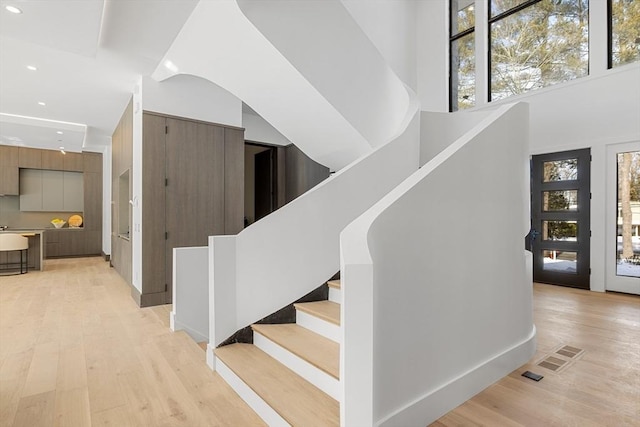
x: 290, y: 374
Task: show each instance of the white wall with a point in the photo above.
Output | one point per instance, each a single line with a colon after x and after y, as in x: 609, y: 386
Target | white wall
x: 191, y: 292
x: 106, y: 200
x: 192, y: 97
x: 435, y: 307
x: 391, y: 26
x: 432, y: 55
x: 257, y: 129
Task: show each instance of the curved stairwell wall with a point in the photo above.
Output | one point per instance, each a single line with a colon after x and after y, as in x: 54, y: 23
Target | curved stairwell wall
x: 291, y: 252
x: 326, y: 45
x: 437, y: 296
x: 335, y: 118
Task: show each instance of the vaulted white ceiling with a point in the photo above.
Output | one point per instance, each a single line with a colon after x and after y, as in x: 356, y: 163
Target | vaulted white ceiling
x: 88, y: 56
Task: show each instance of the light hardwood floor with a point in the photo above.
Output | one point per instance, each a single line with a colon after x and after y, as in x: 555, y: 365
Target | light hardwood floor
x: 600, y: 388
x: 75, y: 350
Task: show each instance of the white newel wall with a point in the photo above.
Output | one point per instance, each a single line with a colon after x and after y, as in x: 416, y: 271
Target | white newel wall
x: 191, y: 292
x: 419, y: 260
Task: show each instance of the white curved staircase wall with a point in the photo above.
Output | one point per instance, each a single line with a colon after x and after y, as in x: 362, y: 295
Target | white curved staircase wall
x: 328, y: 47
x: 289, y: 253
x: 437, y: 295
x: 220, y: 44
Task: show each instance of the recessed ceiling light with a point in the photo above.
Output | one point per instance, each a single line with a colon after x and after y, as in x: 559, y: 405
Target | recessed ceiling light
x: 13, y: 9
x: 42, y: 103
x: 59, y: 132
x: 31, y: 67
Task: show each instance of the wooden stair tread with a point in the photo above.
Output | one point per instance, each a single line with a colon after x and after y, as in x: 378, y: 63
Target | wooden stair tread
x: 296, y: 400
x: 319, y: 351
x: 336, y: 284
x: 326, y: 310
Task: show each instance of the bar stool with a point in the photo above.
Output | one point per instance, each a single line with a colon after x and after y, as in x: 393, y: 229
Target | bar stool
x: 15, y: 242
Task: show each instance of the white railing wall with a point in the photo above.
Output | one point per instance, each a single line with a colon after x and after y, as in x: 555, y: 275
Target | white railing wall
x: 437, y: 295
x: 190, y: 287
x: 289, y: 253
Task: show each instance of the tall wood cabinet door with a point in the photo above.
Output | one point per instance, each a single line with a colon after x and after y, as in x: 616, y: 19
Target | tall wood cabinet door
x: 9, y: 180
x: 73, y: 191
x: 153, y: 204
x: 195, y: 187
x: 9, y: 172
x: 233, y: 181
x: 92, y: 201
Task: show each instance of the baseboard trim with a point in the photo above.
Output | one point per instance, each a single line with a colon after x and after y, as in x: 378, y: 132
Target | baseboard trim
x: 178, y: 326
x: 106, y: 257
x: 156, y: 298
x: 431, y: 406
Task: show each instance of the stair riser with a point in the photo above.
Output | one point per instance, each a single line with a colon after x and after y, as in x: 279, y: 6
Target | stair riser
x: 264, y: 411
x: 315, y: 376
x: 319, y: 326
x: 335, y: 295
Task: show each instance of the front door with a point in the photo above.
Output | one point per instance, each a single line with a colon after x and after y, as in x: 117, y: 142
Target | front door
x: 560, y: 205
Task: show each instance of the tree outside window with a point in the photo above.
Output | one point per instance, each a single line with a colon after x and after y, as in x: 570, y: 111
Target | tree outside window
x: 624, y: 28
x: 537, y: 44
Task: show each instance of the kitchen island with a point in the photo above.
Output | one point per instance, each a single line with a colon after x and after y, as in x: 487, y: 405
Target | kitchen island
x: 36, y: 252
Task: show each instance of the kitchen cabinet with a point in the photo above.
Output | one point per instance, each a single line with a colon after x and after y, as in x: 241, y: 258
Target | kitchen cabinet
x: 51, y: 191
x: 9, y: 180
x: 52, y: 160
x: 30, y: 158
x: 70, y: 242
x: 72, y: 162
x: 9, y: 175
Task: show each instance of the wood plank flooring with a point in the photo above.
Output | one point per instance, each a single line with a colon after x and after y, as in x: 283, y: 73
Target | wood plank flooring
x: 601, y: 388
x: 75, y: 350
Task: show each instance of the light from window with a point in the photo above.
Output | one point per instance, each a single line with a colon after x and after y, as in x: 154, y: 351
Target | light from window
x: 625, y: 31
x: 540, y: 45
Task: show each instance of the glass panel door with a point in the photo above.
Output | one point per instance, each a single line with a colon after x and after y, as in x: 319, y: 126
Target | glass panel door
x: 622, y: 259
x: 560, y: 205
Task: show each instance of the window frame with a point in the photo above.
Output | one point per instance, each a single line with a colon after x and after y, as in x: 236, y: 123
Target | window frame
x: 453, y: 38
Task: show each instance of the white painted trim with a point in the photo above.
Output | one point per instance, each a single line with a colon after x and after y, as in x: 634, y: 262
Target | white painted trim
x: 264, y: 411
x: 172, y: 320
x: 319, y: 326
x: 211, y: 358
x: 437, y: 402
x: 306, y: 370
x: 335, y: 295
x: 196, y: 335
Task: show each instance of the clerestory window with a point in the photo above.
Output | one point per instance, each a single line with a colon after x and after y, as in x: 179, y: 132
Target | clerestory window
x: 462, y: 77
x: 535, y: 44
x: 624, y: 32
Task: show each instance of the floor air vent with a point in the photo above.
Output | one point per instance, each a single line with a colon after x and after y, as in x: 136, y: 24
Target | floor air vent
x: 560, y: 358
x: 569, y: 351
x: 552, y: 363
